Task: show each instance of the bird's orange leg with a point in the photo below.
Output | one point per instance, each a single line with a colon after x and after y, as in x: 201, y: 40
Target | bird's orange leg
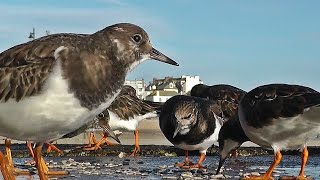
x: 43, y: 170
x: 92, y: 140
x: 198, y: 165
x: 105, y: 135
x: 101, y: 142
x: 136, y: 143
x: 29, y: 146
x: 268, y: 174
x: 10, y: 161
x: 186, y: 162
x: 304, y: 159
x: 6, y: 169
x: 52, y: 147
x: 7, y: 143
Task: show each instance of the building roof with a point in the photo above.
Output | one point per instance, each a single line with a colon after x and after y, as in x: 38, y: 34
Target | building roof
x: 164, y: 93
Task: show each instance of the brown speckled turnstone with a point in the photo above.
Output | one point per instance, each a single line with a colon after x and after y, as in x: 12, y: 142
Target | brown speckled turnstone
x: 281, y: 117
x: 126, y: 111
x: 191, y: 123
x: 55, y: 84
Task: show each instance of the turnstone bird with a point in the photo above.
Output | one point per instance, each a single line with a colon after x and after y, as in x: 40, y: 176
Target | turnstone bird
x: 55, y: 84
x: 191, y: 123
x: 125, y: 112
x: 229, y: 96
x: 231, y: 137
x: 281, y: 117
x: 231, y: 132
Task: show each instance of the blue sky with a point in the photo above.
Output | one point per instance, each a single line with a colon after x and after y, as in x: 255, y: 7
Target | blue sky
x: 243, y: 43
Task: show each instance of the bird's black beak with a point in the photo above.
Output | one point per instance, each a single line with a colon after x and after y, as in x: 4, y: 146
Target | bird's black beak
x: 110, y: 132
x: 156, y: 55
x: 221, y: 162
x: 178, y: 128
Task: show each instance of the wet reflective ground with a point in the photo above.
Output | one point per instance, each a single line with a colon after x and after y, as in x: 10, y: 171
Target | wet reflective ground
x: 150, y: 167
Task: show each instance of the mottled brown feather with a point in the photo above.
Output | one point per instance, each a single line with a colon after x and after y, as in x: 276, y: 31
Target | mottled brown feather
x: 127, y: 104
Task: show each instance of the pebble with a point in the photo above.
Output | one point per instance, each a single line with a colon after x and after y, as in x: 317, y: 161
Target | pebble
x: 186, y: 175
x: 169, y: 177
x: 122, y: 155
x: 255, y: 174
x: 197, y: 178
x: 218, y: 176
x: 162, y: 166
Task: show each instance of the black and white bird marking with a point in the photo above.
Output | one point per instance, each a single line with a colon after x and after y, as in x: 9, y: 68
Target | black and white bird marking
x: 55, y: 84
x: 127, y: 111
x: 281, y: 117
x: 191, y: 123
x: 231, y: 135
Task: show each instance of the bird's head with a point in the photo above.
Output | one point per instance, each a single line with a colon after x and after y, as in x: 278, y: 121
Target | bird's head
x: 231, y: 136
x: 103, y: 121
x: 133, y: 45
x: 186, y: 115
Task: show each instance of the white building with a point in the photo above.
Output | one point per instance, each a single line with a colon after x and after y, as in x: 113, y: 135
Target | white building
x: 160, y: 90
x: 160, y: 95
x: 187, y: 82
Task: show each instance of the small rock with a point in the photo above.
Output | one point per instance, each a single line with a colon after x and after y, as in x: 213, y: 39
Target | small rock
x: 186, y: 175
x: 140, y: 162
x: 122, y: 155
x: 125, y: 163
x: 255, y: 174
x: 197, y: 178
x: 169, y: 177
x: 218, y: 176
x: 163, y: 166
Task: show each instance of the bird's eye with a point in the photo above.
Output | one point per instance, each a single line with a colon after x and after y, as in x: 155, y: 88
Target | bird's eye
x: 188, y: 117
x: 137, y: 38
x: 101, y: 115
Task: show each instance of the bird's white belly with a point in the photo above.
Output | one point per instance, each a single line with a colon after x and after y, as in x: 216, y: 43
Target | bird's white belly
x: 47, y: 116
x: 131, y: 124
x: 205, y: 144
x: 286, y: 133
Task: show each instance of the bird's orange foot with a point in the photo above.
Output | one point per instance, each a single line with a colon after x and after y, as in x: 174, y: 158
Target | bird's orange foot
x: 194, y: 166
x: 257, y: 178
x: 6, y: 168
x: 184, y: 164
x: 295, y: 178
x: 135, y: 151
x: 52, y: 147
x: 94, y: 148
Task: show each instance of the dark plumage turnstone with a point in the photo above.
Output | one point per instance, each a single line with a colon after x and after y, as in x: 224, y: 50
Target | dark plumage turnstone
x: 191, y: 123
x: 126, y: 111
x: 229, y: 96
x: 281, y: 117
x: 231, y: 135
x: 55, y: 84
